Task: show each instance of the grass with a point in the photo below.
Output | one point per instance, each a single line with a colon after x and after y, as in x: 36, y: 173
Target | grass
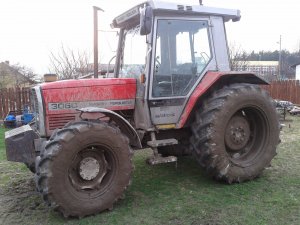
x: 165, y: 195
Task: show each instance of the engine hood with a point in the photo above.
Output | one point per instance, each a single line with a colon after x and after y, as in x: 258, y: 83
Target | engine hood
x: 87, y: 83
x: 62, y: 96
x: 62, y: 99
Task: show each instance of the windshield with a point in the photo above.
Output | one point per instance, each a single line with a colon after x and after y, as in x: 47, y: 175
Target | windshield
x: 182, y: 53
x: 134, y: 54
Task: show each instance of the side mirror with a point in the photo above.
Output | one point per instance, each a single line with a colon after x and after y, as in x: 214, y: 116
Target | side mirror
x: 146, y: 18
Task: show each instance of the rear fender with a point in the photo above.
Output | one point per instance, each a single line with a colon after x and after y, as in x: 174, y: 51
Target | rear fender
x: 123, y: 124
x: 215, y: 79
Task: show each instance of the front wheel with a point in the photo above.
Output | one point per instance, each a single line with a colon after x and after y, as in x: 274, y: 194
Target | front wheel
x: 85, y: 168
x: 236, y: 133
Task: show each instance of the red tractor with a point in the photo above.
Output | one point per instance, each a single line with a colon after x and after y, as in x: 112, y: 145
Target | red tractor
x: 172, y: 91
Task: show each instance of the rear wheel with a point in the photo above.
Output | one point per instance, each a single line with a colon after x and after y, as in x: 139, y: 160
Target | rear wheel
x: 236, y: 133
x: 85, y: 168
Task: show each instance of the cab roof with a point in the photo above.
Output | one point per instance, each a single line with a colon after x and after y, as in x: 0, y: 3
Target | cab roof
x: 132, y: 15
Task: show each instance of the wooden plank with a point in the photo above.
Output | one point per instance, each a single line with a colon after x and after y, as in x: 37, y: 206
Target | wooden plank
x: 13, y: 99
x: 8, y: 99
x: 5, y: 101
x: 1, y: 104
x: 19, y: 99
x: 23, y: 93
x: 28, y: 91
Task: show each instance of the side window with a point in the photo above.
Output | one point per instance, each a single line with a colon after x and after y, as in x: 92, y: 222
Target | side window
x: 202, y: 49
x: 182, y: 52
x: 183, y: 48
x: 134, y: 54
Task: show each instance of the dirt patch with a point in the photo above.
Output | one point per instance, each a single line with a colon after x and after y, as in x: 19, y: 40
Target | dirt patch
x: 20, y: 203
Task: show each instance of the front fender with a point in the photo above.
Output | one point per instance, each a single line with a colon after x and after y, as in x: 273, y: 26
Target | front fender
x: 123, y: 124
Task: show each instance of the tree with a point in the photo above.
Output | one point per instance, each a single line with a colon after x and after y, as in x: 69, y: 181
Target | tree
x: 238, y: 57
x: 27, y: 72
x: 69, y: 64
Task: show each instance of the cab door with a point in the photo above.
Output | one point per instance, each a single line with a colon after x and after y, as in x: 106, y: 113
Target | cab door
x: 181, y: 55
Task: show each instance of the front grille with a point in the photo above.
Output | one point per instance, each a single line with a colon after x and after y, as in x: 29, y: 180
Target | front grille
x: 34, y: 99
x: 35, y: 108
x: 59, y: 121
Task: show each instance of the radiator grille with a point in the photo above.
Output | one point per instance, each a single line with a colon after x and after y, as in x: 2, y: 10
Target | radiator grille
x: 34, y: 99
x: 58, y: 121
x: 35, y: 108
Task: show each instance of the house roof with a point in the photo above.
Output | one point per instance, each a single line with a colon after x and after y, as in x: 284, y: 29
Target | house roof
x: 295, y: 65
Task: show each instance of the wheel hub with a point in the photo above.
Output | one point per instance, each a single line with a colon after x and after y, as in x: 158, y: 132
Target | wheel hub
x: 237, y: 133
x: 89, y: 168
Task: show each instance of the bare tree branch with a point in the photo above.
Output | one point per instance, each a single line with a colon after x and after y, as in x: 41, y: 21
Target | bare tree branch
x: 238, y: 57
x: 69, y: 64
x: 27, y: 72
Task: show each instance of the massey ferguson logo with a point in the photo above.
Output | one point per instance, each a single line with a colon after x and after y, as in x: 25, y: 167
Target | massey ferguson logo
x: 100, y: 104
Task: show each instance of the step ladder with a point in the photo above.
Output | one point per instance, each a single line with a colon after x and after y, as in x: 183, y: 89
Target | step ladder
x: 157, y: 158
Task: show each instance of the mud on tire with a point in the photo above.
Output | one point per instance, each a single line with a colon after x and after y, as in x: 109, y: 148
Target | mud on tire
x: 235, y: 133
x: 85, y: 168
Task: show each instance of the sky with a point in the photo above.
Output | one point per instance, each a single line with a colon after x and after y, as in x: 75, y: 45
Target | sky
x: 31, y: 29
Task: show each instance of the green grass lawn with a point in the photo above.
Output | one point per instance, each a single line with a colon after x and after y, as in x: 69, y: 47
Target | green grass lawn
x: 164, y: 194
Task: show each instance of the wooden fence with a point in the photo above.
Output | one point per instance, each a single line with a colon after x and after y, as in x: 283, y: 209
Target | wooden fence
x: 13, y: 99
x: 17, y: 98
x: 288, y: 90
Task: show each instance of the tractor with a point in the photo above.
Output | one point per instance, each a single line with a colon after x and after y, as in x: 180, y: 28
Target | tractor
x: 172, y: 91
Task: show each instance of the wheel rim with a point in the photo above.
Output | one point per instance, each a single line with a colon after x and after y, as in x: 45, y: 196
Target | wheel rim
x: 246, y: 135
x: 92, y: 170
x: 237, y: 133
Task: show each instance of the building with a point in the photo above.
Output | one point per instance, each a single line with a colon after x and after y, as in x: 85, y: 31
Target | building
x: 10, y: 77
x: 297, y: 68
x: 262, y: 68
x: 102, y: 71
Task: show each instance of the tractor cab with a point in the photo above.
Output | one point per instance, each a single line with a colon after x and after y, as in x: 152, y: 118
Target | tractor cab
x: 169, y: 48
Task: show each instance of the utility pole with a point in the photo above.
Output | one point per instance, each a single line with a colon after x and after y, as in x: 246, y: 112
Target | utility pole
x: 96, y: 40
x: 279, y: 63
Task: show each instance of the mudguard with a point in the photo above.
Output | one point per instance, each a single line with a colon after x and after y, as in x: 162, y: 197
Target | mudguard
x: 211, y: 79
x: 123, y: 124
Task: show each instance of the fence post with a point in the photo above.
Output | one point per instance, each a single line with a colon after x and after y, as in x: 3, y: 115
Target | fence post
x: 1, y: 104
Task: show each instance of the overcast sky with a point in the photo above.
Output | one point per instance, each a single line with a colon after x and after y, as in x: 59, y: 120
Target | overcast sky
x: 30, y: 29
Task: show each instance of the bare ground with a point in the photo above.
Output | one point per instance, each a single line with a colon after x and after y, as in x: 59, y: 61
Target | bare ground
x: 20, y: 203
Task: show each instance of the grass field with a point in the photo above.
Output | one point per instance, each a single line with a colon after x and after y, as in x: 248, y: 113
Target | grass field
x: 165, y: 195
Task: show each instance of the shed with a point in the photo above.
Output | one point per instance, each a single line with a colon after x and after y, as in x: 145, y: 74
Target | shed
x: 297, y: 68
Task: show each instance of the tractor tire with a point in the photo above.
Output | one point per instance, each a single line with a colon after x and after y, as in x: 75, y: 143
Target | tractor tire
x: 31, y: 167
x: 235, y: 133
x: 84, y: 168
